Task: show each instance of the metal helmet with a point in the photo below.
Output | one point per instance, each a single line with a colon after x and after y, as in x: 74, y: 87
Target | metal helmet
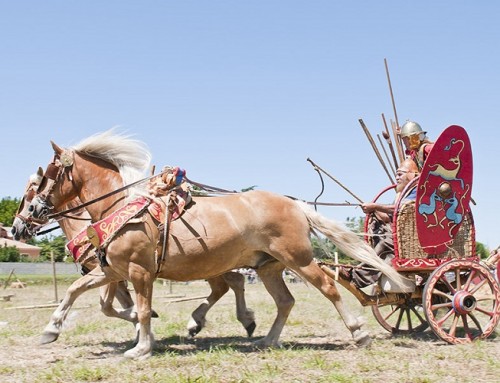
x: 410, y: 128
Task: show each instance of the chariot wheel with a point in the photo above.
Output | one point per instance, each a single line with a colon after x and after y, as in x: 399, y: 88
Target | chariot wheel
x: 401, y: 319
x: 462, y: 302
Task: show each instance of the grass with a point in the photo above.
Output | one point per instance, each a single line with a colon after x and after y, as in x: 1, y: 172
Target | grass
x: 317, y: 347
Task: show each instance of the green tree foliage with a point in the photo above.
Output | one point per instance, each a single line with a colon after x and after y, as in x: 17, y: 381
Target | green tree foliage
x: 8, y: 209
x: 9, y: 254
x: 482, y: 251
x: 55, y: 244
x: 356, y: 224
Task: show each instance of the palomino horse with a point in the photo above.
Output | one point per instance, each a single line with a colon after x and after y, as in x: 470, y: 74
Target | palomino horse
x: 75, y: 223
x: 256, y: 229
x: 24, y: 229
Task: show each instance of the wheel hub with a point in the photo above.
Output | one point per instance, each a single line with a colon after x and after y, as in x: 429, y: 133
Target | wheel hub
x: 464, y: 302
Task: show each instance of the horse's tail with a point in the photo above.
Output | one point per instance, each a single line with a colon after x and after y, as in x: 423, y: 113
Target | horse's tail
x: 349, y: 243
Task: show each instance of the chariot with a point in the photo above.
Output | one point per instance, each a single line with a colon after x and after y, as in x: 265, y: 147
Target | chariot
x: 449, y: 288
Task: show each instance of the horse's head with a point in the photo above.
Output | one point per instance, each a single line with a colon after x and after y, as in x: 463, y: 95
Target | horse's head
x: 98, y: 165
x: 56, y: 186
x: 24, y: 226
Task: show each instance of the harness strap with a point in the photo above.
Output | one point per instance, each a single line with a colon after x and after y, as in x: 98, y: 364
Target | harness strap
x: 170, y: 208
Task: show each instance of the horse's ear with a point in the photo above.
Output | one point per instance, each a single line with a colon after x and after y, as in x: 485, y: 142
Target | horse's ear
x: 57, y: 149
x: 39, y: 172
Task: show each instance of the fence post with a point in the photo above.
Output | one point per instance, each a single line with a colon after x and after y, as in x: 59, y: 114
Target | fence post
x: 54, y: 277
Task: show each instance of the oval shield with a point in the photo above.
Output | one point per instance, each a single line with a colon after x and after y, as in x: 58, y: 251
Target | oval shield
x: 444, y: 190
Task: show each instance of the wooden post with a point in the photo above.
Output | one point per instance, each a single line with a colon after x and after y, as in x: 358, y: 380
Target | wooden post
x: 8, y: 279
x: 54, y: 276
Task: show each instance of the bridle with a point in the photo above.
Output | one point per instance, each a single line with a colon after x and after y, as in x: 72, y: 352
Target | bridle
x: 31, y: 224
x: 62, y: 164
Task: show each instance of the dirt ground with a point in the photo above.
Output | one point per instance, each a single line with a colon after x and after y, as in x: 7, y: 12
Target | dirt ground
x: 317, y: 347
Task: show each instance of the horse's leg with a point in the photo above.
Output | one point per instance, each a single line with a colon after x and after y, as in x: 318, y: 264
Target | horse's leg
x: 122, y: 295
x: 120, y: 291
x: 87, y: 282
x: 143, y: 286
x: 218, y: 288
x: 245, y: 315
x: 319, y: 279
x: 271, y: 275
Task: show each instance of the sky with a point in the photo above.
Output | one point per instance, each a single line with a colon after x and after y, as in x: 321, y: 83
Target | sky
x: 241, y: 93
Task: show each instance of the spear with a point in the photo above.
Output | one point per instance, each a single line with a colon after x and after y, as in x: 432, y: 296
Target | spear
x: 399, y: 144
x: 386, y: 155
x: 390, y: 89
x: 375, y: 149
x: 387, y: 137
x: 335, y: 180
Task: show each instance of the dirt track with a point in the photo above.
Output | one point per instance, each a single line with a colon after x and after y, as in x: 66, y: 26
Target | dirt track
x: 317, y: 346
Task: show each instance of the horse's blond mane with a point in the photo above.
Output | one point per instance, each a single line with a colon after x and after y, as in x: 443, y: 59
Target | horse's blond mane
x: 130, y: 156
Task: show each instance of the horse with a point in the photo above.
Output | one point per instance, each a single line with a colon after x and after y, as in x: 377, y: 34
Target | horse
x: 74, y: 224
x: 257, y: 229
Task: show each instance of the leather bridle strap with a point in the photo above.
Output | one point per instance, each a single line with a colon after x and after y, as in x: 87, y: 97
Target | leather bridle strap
x: 85, y: 204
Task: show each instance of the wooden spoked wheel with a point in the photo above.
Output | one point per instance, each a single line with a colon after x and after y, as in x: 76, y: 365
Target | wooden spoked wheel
x: 462, y: 302
x: 401, y: 319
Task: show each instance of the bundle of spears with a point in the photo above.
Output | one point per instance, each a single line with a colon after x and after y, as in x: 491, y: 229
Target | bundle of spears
x: 394, y: 147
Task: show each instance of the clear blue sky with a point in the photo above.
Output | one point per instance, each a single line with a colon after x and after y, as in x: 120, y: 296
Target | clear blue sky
x: 240, y: 93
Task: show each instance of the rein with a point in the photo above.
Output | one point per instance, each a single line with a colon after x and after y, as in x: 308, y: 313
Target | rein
x: 85, y: 204
x: 204, y: 187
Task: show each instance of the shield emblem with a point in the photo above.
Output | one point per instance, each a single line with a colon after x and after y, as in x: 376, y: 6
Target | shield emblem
x: 444, y: 190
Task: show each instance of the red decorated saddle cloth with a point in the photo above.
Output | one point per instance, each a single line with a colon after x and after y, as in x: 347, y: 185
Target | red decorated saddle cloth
x: 100, y: 233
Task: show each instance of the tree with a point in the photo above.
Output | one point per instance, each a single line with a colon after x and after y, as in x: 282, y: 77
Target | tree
x: 55, y: 244
x: 9, y: 254
x: 481, y: 251
x: 8, y: 209
x: 355, y: 224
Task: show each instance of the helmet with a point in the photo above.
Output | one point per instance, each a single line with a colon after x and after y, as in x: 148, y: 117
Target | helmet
x: 410, y: 128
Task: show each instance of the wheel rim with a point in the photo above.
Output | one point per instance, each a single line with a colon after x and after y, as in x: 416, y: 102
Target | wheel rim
x: 402, y: 319
x: 462, y: 302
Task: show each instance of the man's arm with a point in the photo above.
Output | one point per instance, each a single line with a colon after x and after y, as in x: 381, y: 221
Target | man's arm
x: 382, y: 211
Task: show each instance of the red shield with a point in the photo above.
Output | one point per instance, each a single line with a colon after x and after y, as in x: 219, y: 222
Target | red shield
x: 444, y: 190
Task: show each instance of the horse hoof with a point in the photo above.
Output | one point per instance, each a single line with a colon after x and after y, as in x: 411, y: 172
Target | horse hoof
x: 251, y: 328
x: 193, y: 331
x: 363, y: 339
x: 133, y: 354
x: 48, y: 337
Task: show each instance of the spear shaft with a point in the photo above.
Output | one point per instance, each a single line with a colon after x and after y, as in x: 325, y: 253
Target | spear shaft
x: 386, y: 155
x: 390, y: 89
x: 375, y: 149
x: 387, y: 137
